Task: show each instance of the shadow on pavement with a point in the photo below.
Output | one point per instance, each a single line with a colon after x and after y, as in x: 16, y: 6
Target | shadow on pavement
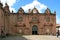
x: 13, y: 38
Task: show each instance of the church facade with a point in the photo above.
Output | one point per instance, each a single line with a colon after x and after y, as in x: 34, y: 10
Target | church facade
x: 31, y: 23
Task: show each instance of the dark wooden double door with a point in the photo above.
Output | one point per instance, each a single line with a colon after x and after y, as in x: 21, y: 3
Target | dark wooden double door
x: 34, y: 30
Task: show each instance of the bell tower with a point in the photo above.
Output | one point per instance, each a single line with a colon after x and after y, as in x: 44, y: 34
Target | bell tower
x: 6, y: 8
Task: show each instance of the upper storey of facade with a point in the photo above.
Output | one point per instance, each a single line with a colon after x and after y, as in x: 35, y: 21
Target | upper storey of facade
x: 21, y: 10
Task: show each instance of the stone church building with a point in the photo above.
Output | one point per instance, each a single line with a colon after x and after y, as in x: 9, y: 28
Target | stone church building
x: 30, y: 23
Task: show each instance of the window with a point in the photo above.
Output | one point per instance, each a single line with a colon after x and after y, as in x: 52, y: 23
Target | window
x: 47, y: 19
x: 20, y: 18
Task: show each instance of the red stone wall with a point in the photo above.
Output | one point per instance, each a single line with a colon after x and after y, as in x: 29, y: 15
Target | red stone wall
x: 13, y: 26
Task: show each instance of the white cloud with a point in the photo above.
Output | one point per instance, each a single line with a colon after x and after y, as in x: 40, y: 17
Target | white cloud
x: 35, y: 3
x: 10, y: 3
x: 57, y: 20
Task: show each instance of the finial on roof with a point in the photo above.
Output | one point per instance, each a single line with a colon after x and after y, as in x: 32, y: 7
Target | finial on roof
x: 12, y: 11
x: 6, y: 8
x: 54, y: 12
x: 47, y: 8
x: 34, y: 7
x: 29, y: 10
x: 21, y: 8
x: 6, y: 4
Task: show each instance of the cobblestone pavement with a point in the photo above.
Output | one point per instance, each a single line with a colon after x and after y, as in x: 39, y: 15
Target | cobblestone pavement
x: 31, y: 37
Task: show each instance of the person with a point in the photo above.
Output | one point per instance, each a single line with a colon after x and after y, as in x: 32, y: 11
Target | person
x: 58, y: 33
x: 2, y: 34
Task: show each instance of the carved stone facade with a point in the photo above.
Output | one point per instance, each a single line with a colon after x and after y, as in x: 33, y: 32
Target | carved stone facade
x: 29, y: 23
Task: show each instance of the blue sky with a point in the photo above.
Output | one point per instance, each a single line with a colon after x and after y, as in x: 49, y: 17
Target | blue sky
x: 53, y: 5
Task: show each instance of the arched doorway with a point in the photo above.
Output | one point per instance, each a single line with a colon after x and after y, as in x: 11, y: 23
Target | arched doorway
x: 34, y: 30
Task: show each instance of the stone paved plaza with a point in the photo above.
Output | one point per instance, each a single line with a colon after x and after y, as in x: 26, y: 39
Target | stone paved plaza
x: 31, y: 37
